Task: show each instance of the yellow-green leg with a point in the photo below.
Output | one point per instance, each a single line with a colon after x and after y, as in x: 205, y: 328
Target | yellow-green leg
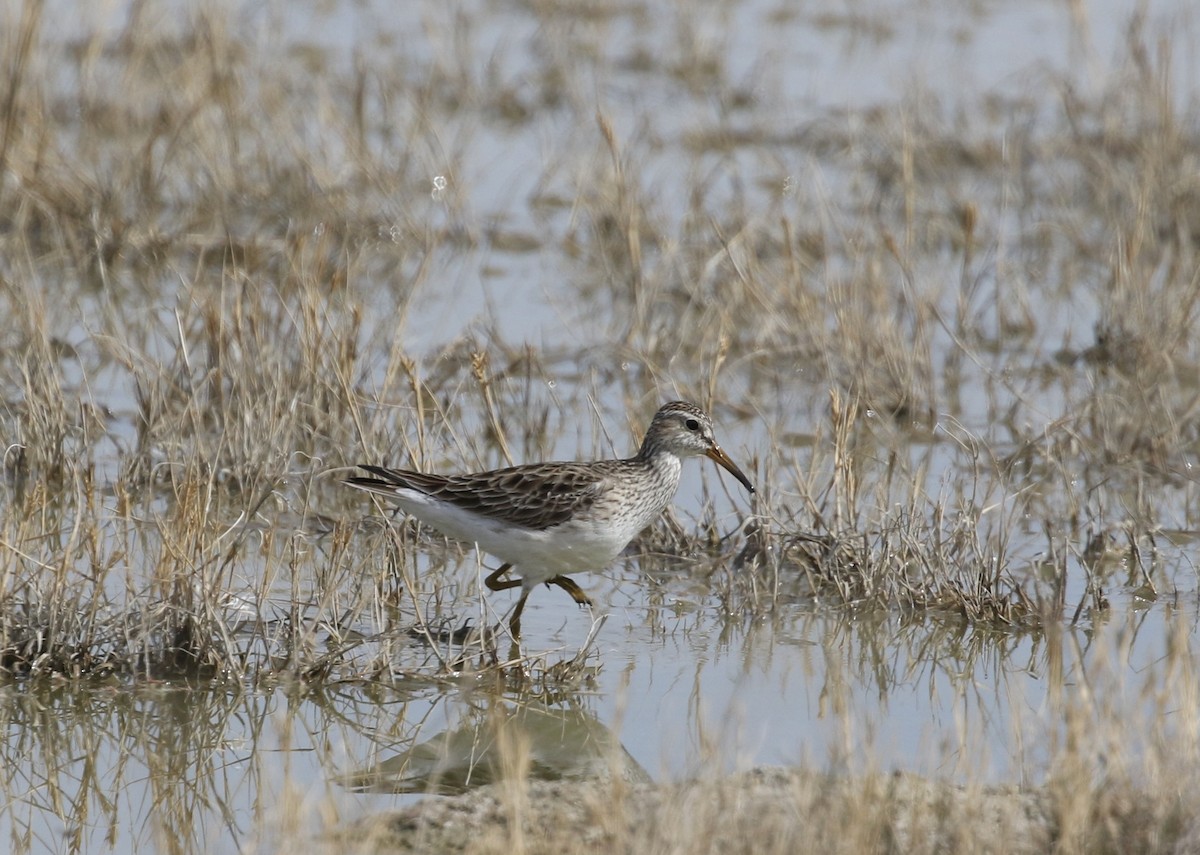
x: 496, y: 583
x: 571, y: 588
x: 514, y: 622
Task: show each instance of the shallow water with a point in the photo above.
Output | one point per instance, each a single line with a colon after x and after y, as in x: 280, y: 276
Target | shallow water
x: 675, y: 684
x: 150, y: 766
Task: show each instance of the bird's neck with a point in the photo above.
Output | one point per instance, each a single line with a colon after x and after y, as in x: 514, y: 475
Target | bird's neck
x: 666, y: 464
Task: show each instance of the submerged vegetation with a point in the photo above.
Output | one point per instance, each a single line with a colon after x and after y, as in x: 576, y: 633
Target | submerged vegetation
x: 957, y: 348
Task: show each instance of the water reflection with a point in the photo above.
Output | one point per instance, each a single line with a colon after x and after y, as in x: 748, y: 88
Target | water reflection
x: 501, y: 740
x: 179, y: 768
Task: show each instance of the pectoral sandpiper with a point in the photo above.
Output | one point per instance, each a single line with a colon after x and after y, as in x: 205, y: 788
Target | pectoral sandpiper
x: 551, y: 519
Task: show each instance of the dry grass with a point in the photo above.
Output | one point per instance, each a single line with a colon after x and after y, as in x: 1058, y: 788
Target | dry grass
x: 216, y: 253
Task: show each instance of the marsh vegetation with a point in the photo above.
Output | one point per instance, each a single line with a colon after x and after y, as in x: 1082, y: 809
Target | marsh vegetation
x: 948, y: 331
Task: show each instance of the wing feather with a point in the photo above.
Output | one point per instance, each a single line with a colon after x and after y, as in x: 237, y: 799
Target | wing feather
x: 537, y: 496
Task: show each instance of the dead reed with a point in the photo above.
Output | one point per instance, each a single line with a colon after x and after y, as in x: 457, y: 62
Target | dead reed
x: 218, y: 257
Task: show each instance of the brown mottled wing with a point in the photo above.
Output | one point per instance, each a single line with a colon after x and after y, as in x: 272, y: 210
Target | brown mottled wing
x: 537, y: 496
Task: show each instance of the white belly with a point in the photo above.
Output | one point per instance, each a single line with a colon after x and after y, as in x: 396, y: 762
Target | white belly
x: 573, y: 547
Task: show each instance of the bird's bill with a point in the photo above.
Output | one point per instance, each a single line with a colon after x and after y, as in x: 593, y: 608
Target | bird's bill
x: 716, y: 454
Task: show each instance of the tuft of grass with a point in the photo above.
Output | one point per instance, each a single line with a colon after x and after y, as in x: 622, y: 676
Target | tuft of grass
x: 216, y: 254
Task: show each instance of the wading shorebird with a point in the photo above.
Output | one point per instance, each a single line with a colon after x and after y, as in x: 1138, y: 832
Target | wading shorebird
x: 550, y: 519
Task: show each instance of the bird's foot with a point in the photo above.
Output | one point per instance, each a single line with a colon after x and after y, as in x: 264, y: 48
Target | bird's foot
x: 571, y: 588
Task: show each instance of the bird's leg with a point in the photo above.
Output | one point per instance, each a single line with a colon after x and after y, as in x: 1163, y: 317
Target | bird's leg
x: 514, y: 622
x: 495, y: 583
x: 571, y: 588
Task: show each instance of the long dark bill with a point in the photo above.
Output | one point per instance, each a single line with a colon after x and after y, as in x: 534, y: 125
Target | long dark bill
x: 715, y: 453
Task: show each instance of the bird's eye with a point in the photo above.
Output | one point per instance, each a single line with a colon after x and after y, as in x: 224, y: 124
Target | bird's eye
x: 692, y: 424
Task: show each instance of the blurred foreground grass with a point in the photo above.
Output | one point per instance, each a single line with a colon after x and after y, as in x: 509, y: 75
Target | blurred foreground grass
x: 958, y: 351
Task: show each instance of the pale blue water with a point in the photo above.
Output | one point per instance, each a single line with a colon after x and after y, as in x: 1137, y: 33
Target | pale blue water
x: 803, y: 685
